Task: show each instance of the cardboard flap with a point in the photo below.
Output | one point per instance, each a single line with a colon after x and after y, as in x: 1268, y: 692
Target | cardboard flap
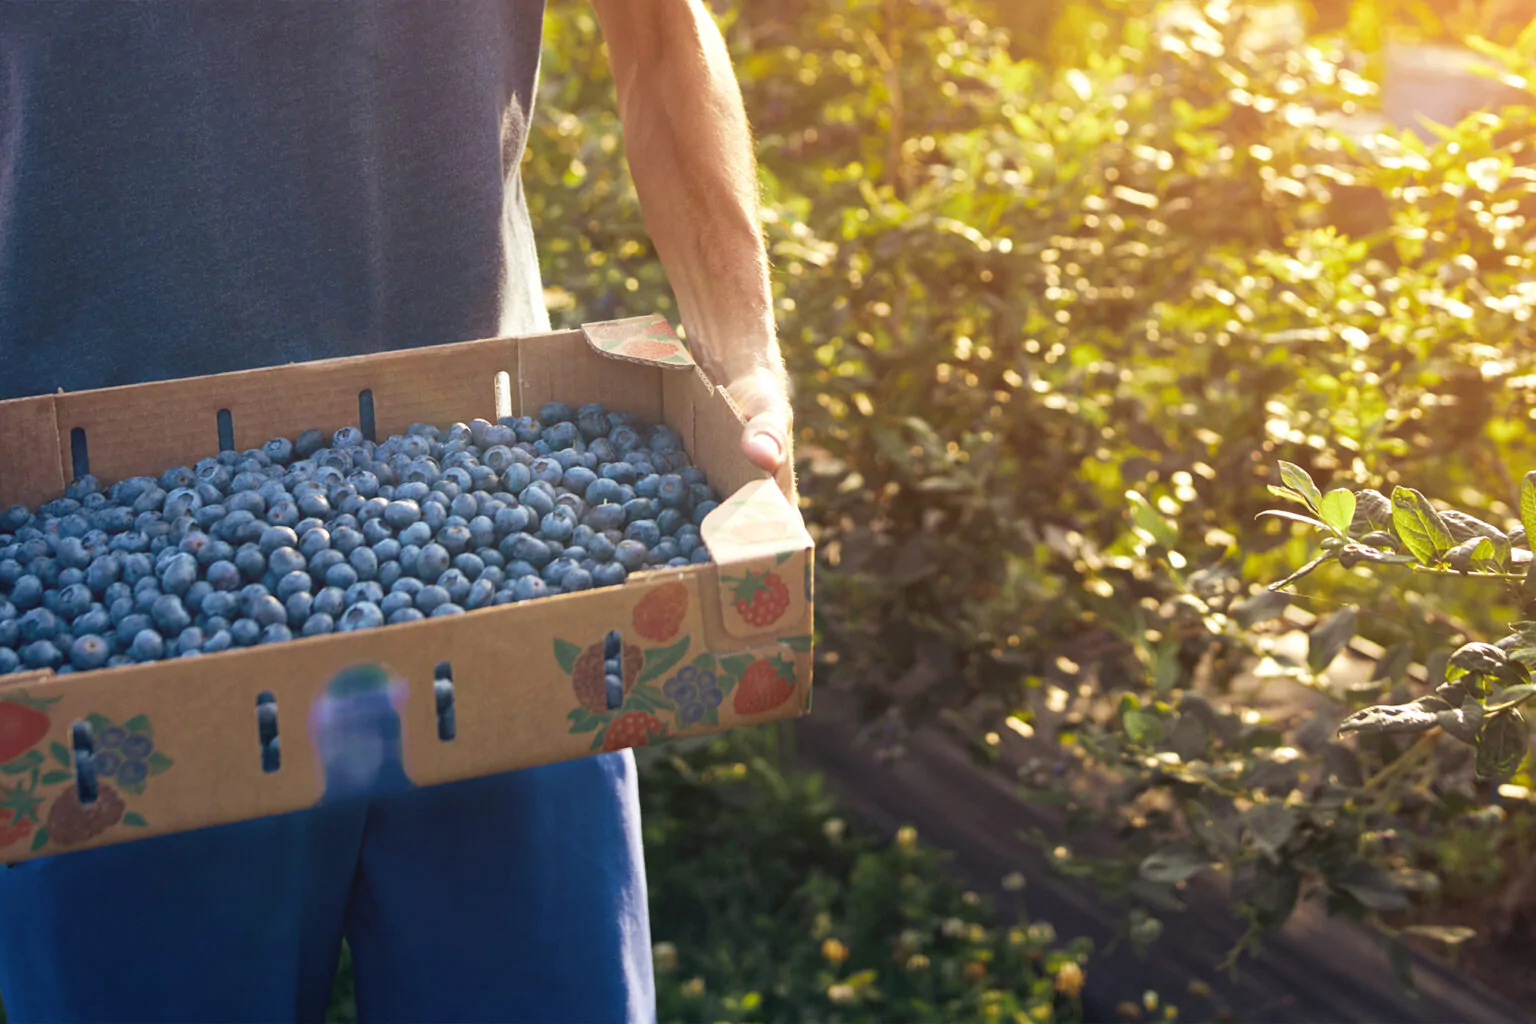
x: 648, y: 340
x: 762, y: 549
x: 34, y: 467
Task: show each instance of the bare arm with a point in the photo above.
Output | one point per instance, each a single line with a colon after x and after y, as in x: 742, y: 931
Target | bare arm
x: 690, y: 152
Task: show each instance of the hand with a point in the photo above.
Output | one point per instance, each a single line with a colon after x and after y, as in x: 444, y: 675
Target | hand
x: 762, y: 395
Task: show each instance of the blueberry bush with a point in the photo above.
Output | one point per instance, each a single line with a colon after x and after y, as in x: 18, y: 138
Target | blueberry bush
x: 1056, y: 305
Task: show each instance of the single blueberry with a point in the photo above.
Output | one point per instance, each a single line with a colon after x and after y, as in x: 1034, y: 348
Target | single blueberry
x: 170, y: 615
x: 644, y: 531
x: 366, y: 590
x: 444, y: 610
x: 245, y: 632
x: 402, y: 615
x: 364, y: 615
x: 251, y: 562
x: 318, y: 624
x: 147, y: 645
x: 276, y: 633
x: 38, y: 624
x: 430, y: 597
x: 219, y: 640
x: 608, y: 574
x: 89, y: 652
x: 274, y: 537
x: 432, y: 562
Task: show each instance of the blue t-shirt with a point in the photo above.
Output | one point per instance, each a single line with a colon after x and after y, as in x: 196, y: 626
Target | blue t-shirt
x: 191, y: 187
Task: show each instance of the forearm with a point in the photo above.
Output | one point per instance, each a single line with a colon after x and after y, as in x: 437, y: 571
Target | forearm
x: 690, y: 153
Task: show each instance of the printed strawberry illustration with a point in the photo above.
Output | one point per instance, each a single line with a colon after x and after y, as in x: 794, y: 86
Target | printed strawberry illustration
x: 22, y: 724
x: 634, y: 729
x: 764, y: 685
x: 70, y: 823
x: 645, y: 348
x: 587, y: 676
x: 14, y: 831
x: 659, y: 615
x: 761, y: 598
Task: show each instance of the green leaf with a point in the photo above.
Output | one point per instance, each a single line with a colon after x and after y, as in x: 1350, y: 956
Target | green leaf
x: 23, y: 764
x: 131, y: 787
x: 659, y: 659
x: 158, y: 763
x: 1337, y: 509
x: 1371, y: 886
x: 98, y: 723
x: 54, y: 778
x: 1394, y: 663
x: 1420, y: 526
x: 1288, y: 494
x: 1328, y: 638
x: 60, y: 753
x: 139, y: 724
x: 135, y: 819
x: 1392, y: 719
x: 1261, y: 607
x: 1509, y: 698
x: 1270, y: 825
x: 1478, y: 657
x: 704, y: 662
x: 1501, y: 746
x: 1297, y: 517
x: 1147, y: 519
x: 566, y: 654
x: 1462, y: 723
x: 1300, y: 481
x: 1528, y: 506
x: 1174, y: 864
x: 39, y: 839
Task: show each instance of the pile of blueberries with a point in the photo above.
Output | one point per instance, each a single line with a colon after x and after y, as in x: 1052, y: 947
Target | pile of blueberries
x: 316, y: 535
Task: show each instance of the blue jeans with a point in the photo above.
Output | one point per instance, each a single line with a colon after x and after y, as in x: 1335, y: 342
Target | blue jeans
x: 509, y: 898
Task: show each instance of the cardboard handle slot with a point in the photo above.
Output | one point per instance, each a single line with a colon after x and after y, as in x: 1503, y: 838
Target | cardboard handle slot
x: 84, y: 742
x: 266, y: 732
x: 442, y: 690
x: 613, y: 670
x: 79, y: 453
x: 365, y: 421
x: 226, y: 427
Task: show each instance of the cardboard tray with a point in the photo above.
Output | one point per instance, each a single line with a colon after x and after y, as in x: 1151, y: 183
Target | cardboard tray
x: 176, y: 743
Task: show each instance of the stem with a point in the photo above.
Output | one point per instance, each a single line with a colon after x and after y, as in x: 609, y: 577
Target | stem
x: 1421, y: 747
x: 1431, y: 570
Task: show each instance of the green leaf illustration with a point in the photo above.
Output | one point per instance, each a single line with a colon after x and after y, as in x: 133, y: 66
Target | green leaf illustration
x: 139, y: 724
x: 98, y: 723
x: 796, y: 643
x: 60, y: 753
x: 566, y: 654
x: 650, y: 694
x: 39, y: 839
x: 131, y: 787
x: 135, y: 819
x: 1420, y: 526
x: 23, y: 764
x: 54, y: 778
x: 158, y: 763
x: 583, y: 720
x: 704, y: 662
x: 658, y: 660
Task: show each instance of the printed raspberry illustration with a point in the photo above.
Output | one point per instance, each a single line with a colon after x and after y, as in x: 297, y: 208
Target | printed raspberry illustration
x: 695, y: 691
x: 644, y: 348
x: 588, y: 676
x: 634, y: 729
x: 761, y: 598
x: 70, y: 823
x: 764, y: 685
x: 660, y: 613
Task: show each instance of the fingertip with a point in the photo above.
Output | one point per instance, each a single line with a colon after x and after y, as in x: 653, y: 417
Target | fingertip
x: 765, y: 450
